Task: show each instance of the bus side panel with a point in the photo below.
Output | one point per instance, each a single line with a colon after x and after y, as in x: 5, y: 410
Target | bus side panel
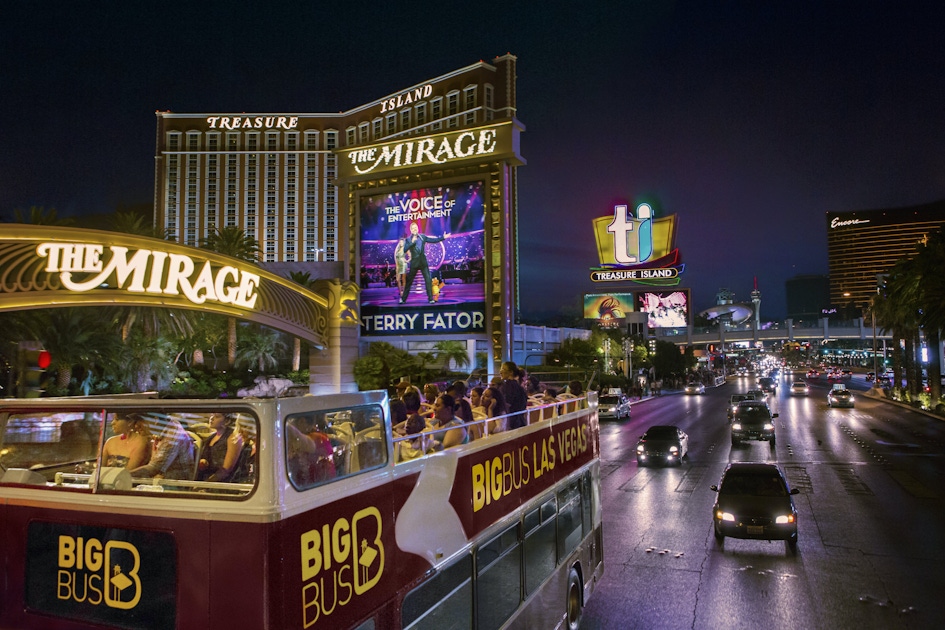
x: 342, y: 562
x: 75, y: 569
x: 245, y: 588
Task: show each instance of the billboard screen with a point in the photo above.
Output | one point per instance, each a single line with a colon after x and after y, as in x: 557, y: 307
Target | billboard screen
x: 665, y: 309
x: 609, y: 309
x: 422, y: 257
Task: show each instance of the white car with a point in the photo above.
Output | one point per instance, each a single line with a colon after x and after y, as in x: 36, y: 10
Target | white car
x: 695, y: 388
x: 799, y: 388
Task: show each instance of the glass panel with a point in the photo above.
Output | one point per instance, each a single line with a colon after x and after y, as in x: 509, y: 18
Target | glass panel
x: 569, y: 520
x: 499, y: 584
x: 539, y: 556
x: 327, y: 445
x: 443, y: 601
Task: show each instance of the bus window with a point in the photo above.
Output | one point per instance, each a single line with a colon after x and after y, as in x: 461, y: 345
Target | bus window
x: 570, y: 527
x: 150, y: 451
x: 498, y: 579
x: 326, y: 445
x: 48, y: 443
x: 442, y: 602
x: 539, y: 545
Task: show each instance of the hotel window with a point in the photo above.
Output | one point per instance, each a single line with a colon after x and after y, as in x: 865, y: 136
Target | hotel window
x: 173, y: 141
x: 213, y: 141
x: 252, y: 141
x: 331, y: 140
x: 193, y: 141
x: 452, y: 107
x: 292, y: 141
x: 363, y: 132
x: 405, y: 119
x: 311, y: 140
x: 350, y: 135
x: 391, y: 124
x: 470, y: 97
x: 272, y: 141
x: 489, y: 102
x: 421, y: 115
x: 232, y: 142
x: 378, y: 126
x: 436, y: 112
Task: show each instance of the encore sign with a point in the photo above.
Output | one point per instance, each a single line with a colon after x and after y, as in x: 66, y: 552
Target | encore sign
x: 148, y: 271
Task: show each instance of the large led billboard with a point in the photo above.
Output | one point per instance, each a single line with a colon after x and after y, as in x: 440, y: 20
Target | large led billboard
x: 665, y: 309
x: 609, y: 309
x: 423, y: 261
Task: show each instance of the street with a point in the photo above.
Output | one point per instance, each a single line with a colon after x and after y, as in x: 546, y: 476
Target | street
x: 871, y: 546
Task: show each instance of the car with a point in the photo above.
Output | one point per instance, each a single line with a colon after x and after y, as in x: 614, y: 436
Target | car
x: 799, y: 388
x: 755, y: 502
x: 757, y: 394
x: 733, y: 403
x: 662, y: 444
x: 613, y: 406
x: 753, y: 420
x: 695, y: 388
x: 839, y: 396
x: 846, y: 373
x: 768, y: 384
x: 812, y: 373
x: 870, y: 377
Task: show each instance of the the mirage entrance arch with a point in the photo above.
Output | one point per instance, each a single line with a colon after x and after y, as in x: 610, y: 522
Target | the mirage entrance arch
x: 54, y: 266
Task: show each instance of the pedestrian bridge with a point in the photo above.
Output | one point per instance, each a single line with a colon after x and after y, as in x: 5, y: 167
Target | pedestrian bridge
x: 818, y: 331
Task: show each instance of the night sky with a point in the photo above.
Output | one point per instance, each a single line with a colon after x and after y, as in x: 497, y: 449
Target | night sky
x: 748, y: 120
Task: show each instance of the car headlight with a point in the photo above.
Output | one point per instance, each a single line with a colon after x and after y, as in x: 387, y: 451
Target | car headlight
x: 640, y: 448
x: 724, y: 516
x: 769, y: 426
x: 674, y: 449
x: 784, y: 519
x: 737, y: 426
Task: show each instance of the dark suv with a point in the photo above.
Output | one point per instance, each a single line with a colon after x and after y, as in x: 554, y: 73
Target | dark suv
x: 768, y: 385
x: 753, y: 420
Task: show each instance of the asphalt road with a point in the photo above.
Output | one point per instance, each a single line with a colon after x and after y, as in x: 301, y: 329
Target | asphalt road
x: 871, y: 519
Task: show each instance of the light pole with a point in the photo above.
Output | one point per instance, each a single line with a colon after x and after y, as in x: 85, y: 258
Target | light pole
x: 607, y: 354
x: 628, y: 357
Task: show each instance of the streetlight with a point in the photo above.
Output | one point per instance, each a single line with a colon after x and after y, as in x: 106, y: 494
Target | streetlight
x: 628, y: 357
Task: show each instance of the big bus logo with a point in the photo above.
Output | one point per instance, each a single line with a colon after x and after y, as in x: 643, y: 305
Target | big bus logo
x: 98, y: 574
x: 340, y: 560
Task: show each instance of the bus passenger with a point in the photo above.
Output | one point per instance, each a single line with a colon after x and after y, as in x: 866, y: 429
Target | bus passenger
x: 127, y: 448
x: 173, y: 454
x: 417, y: 445
x: 493, y: 402
x: 245, y: 471
x: 444, y: 418
x: 311, y: 455
x: 514, y: 393
x: 219, y: 454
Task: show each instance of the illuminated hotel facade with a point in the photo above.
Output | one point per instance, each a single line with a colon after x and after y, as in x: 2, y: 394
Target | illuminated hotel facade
x: 300, y: 184
x: 864, y: 244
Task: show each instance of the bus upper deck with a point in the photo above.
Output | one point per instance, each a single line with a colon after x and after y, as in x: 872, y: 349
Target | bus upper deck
x: 311, y: 524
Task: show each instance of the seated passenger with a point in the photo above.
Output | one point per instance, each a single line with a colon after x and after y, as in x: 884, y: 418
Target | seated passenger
x: 494, y: 404
x: 444, y: 418
x: 417, y: 445
x: 173, y: 454
x: 128, y: 448
x: 311, y: 455
x: 245, y: 471
x: 219, y: 454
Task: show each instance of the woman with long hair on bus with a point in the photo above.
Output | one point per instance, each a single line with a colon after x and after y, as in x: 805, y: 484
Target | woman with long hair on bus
x: 128, y: 448
x: 245, y: 471
x: 493, y: 402
x: 219, y: 454
x: 444, y: 418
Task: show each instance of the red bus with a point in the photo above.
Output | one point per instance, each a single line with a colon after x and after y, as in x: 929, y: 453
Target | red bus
x: 321, y: 531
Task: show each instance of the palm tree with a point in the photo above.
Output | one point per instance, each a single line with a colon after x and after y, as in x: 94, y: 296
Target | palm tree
x: 232, y: 241
x: 261, y: 346
x: 303, y: 278
x: 40, y: 216
x: 451, y: 352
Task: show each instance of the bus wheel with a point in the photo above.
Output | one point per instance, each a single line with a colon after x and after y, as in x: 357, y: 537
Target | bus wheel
x: 575, y: 600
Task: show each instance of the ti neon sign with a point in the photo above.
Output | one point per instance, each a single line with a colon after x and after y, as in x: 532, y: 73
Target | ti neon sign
x: 637, y: 248
x: 148, y: 271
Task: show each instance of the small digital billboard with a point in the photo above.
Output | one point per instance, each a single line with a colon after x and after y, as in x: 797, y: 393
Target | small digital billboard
x: 422, y: 257
x: 664, y: 309
x: 609, y: 309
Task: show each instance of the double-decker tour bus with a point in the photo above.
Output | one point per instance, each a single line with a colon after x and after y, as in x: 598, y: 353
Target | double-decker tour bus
x: 153, y: 514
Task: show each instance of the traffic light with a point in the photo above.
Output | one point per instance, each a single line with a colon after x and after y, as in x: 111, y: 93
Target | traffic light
x: 32, y: 372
